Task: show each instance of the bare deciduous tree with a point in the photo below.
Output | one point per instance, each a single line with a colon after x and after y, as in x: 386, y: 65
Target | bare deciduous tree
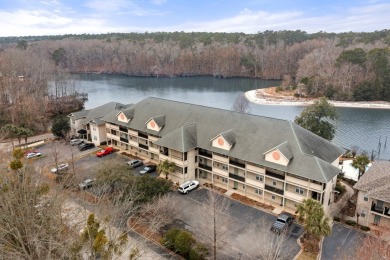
x: 241, y: 104
x: 215, y: 221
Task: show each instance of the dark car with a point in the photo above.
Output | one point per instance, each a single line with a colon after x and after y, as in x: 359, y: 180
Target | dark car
x: 282, y: 223
x: 148, y: 169
x: 86, y: 146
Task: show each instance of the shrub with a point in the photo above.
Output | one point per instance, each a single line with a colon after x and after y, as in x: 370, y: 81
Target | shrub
x: 169, y: 238
x: 340, y: 188
x: 365, y: 228
x: 184, y: 242
x: 350, y: 222
x: 199, y: 251
x: 336, y: 218
x: 278, y: 89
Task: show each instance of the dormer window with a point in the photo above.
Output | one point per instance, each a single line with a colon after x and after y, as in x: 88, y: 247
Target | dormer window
x: 125, y: 115
x: 280, y: 154
x: 156, y: 123
x: 225, y: 140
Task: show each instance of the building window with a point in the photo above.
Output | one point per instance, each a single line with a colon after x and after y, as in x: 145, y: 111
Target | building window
x: 258, y: 191
x: 224, y: 167
x: 274, y: 183
x: 225, y: 180
x: 299, y: 190
x: 94, y: 128
x: 363, y: 213
x: 259, y: 178
x: 365, y: 197
x: 94, y: 138
x: 273, y: 197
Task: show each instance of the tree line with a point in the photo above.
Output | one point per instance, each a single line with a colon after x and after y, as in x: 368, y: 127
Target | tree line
x: 344, y: 66
x: 35, y: 81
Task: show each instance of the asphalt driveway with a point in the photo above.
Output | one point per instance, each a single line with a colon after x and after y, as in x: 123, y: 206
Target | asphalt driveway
x: 247, y: 226
x: 342, y: 243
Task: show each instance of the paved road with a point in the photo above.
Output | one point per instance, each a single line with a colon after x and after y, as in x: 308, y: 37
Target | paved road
x: 249, y: 226
x: 342, y: 243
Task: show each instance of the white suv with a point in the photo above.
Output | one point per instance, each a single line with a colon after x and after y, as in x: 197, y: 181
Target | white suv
x: 188, y: 186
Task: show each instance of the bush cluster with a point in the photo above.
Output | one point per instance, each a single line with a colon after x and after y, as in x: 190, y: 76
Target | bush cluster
x: 183, y: 243
x: 350, y: 222
x: 365, y: 228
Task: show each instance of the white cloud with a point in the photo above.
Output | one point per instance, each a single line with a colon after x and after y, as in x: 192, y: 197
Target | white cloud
x: 108, y: 6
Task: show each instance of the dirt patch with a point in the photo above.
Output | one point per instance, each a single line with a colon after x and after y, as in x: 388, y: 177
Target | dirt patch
x: 134, y: 224
x: 251, y: 202
x: 215, y: 188
x: 310, y: 244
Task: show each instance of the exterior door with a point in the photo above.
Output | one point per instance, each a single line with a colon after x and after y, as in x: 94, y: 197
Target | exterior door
x: 377, y: 219
x: 235, y: 185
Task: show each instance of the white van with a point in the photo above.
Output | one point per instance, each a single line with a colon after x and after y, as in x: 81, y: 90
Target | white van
x: 188, y: 186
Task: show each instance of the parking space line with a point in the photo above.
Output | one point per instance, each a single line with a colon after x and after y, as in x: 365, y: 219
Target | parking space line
x: 346, y: 237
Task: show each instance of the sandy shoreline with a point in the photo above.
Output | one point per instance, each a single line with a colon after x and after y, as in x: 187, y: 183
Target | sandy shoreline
x: 259, y: 96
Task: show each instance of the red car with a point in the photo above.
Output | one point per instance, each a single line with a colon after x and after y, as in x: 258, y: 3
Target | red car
x: 104, y: 152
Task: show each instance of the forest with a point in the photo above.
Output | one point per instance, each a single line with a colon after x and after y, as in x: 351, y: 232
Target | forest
x: 35, y: 70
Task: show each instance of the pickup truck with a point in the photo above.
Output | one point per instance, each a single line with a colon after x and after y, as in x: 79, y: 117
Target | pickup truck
x: 282, y: 223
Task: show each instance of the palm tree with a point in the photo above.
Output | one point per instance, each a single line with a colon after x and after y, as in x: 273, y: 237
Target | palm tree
x: 166, y: 167
x: 315, y: 222
x: 360, y: 162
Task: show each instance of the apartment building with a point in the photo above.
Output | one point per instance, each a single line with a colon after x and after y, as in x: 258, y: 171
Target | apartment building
x: 88, y: 123
x: 373, y: 202
x: 270, y: 160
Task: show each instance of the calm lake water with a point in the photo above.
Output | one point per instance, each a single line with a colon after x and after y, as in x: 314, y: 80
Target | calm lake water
x: 359, y: 127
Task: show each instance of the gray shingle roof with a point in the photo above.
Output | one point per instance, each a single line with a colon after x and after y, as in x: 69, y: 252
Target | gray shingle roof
x: 254, y: 135
x: 79, y: 114
x: 101, y: 111
x: 182, y: 139
x: 376, y: 181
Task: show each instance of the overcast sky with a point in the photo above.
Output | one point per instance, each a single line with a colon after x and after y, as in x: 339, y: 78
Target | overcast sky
x: 52, y: 17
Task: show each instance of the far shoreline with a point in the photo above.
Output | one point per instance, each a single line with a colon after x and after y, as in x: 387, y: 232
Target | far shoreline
x: 259, y: 96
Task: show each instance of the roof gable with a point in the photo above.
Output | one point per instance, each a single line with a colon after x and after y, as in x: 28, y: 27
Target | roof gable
x: 156, y: 123
x: 280, y: 154
x: 224, y: 140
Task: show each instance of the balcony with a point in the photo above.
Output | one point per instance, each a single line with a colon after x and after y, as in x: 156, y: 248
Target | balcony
x: 123, y: 129
x: 164, y: 151
x: 237, y: 177
x: 143, y: 135
x: 274, y: 175
x: 143, y: 146
x: 236, y: 163
x: 274, y: 189
x: 125, y: 140
x: 204, y: 153
x: 205, y: 167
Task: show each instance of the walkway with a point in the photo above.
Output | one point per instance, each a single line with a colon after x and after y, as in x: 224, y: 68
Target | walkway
x: 335, y: 208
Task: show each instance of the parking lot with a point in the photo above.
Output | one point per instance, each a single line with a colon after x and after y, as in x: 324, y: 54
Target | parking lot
x: 342, y: 243
x: 247, y: 226
x: 85, y: 162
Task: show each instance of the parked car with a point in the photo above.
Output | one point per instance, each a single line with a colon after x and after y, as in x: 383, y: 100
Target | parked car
x: 30, y: 151
x: 105, y: 151
x: 86, y: 146
x: 32, y: 155
x: 76, y: 141
x: 135, y: 163
x: 282, y: 223
x: 188, y: 186
x: 61, y: 167
x: 86, y: 184
x: 148, y: 169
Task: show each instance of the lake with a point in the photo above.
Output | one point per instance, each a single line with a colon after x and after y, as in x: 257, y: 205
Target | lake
x: 360, y: 127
